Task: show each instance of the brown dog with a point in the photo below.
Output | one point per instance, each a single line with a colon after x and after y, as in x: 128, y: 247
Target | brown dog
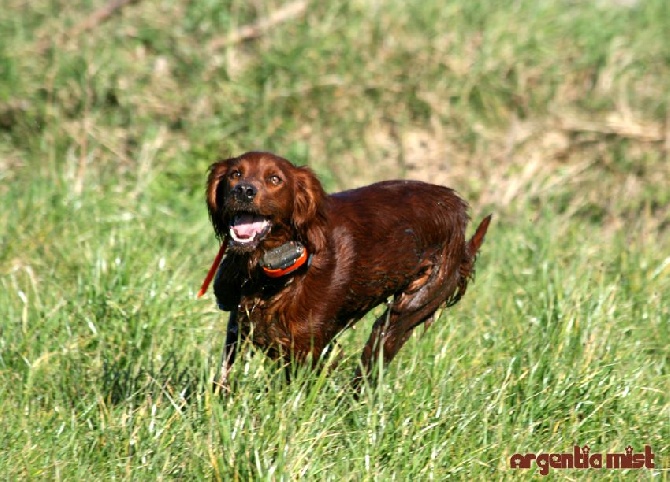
x: 401, y: 241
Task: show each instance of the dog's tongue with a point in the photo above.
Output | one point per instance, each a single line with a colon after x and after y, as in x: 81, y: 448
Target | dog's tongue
x: 247, y: 225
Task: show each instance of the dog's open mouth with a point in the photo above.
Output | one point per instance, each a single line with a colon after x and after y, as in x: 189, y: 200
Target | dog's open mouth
x: 248, y: 229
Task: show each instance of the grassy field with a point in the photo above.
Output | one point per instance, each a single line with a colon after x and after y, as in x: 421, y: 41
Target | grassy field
x: 553, y: 115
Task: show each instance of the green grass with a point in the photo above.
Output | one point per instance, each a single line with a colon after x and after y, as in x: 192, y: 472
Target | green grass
x: 550, y: 114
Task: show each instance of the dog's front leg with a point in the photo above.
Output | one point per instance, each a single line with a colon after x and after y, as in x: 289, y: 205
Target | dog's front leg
x: 228, y: 355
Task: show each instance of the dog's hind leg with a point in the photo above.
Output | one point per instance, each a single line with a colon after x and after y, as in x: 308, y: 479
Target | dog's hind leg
x: 412, y: 307
x: 389, y: 333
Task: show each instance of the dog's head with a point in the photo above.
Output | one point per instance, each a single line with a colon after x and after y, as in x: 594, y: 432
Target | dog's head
x: 259, y: 201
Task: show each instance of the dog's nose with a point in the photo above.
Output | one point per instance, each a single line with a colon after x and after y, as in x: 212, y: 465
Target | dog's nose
x: 244, y: 191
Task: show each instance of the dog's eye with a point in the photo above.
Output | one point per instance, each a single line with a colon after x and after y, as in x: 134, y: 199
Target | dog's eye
x: 235, y: 174
x: 274, y: 179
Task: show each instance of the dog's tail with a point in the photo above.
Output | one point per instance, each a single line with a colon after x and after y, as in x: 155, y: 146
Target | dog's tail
x: 478, y: 238
x: 467, y: 267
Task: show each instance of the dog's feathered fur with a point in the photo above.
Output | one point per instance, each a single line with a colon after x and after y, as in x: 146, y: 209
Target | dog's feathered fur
x: 402, y: 241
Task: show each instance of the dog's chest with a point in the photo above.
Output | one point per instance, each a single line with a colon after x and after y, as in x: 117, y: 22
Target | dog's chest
x: 264, y: 319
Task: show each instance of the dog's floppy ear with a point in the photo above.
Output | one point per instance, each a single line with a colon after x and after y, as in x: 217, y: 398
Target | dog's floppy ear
x: 215, y: 191
x: 309, y: 210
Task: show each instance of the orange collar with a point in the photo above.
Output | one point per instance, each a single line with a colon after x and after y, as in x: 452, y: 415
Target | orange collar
x: 279, y: 272
x: 271, y: 273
